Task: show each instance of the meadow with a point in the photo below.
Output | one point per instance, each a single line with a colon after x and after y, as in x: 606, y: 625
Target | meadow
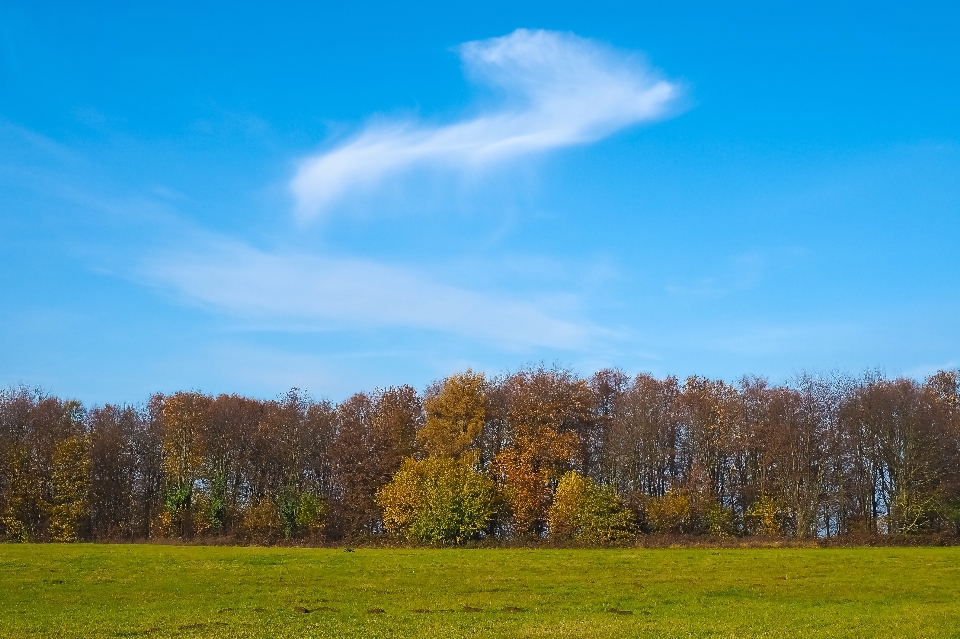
x: 89, y: 590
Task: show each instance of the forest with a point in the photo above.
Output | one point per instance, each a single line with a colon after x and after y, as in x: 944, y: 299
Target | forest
x: 540, y: 455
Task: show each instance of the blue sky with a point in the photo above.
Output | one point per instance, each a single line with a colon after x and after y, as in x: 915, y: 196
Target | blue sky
x: 336, y: 196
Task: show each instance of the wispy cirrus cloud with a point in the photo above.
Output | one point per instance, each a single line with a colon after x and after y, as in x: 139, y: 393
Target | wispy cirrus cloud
x: 341, y: 292
x: 558, y: 90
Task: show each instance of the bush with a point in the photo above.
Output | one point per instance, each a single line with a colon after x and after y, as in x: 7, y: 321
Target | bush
x: 439, y: 500
x: 764, y: 518
x: 672, y: 513
x: 684, y: 512
x: 585, y: 511
x: 261, y: 522
x: 301, y: 514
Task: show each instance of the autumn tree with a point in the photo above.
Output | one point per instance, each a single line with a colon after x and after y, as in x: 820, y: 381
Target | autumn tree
x: 70, y: 509
x: 943, y: 390
x: 893, y: 426
x: 185, y: 418
x: 641, y: 453
x: 455, y: 415
x: 540, y: 452
x: 20, y: 513
x: 545, y: 410
x: 148, y: 499
x: 31, y: 426
x: 114, y: 470
x: 286, y: 467
x: 228, y: 440
x: 372, y: 435
x: 710, y: 419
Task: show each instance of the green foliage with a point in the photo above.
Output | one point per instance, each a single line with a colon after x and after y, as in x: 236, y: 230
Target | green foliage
x: 311, y: 513
x: 718, y: 520
x: 585, y: 511
x: 290, y: 515
x: 300, y: 513
x: 178, y: 498
x: 949, y: 511
x: 218, y: 503
x: 438, y: 500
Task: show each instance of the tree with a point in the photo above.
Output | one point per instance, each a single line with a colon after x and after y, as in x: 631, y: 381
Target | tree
x: 711, y: 415
x: 456, y: 412
x: 71, y: 489
x: 640, y: 455
x: 291, y: 434
x: 545, y: 410
x: 567, y: 458
x: 943, y: 390
x: 185, y: 417
x: 229, y: 433
x: 897, y: 421
x: 21, y: 496
x: 363, y: 463
x: 149, y: 481
x: 113, y: 471
x: 31, y: 426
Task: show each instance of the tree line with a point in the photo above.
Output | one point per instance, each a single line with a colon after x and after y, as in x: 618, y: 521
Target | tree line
x: 538, y: 454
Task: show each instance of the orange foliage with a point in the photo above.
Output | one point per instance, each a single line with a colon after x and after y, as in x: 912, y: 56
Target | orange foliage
x: 529, y: 470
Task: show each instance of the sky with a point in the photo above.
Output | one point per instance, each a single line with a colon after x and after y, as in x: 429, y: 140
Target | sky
x: 249, y: 197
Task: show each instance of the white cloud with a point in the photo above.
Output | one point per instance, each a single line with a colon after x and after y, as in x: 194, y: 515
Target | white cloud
x: 355, y: 293
x: 559, y: 89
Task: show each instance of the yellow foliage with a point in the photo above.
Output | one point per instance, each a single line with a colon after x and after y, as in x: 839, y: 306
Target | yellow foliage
x: 438, y: 500
x: 763, y: 517
x: 671, y: 513
x: 22, y: 492
x: 262, y: 521
x: 526, y: 489
x: 455, y: 415
x: 184, y: 419
x: 71, y: 485
x: 682, y: 511
x: 583, y: 510
x: 163, y: 524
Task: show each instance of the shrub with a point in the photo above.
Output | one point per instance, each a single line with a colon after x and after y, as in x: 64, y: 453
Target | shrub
x: 261, y: 522
x: 583, y: 510
x: 764, y: 518
x: 671, y: 513
x: 301, y: 514
x: 439, y: 500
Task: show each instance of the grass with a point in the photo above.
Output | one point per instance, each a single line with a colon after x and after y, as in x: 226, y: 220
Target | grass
x: 192, y: 591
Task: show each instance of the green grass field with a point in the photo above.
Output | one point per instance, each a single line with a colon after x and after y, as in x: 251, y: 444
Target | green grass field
x: 189, y: 591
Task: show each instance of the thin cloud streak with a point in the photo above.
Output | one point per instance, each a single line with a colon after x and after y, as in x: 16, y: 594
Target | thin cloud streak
x: 559, y: 89
x: 356, y: 293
